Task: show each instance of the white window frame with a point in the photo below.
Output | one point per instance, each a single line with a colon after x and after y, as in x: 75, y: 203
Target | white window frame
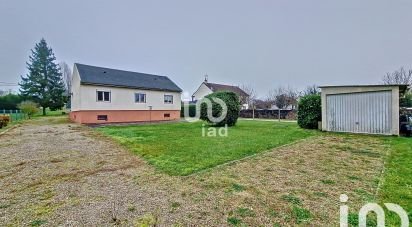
x: 97, y: 96
x: 167, y: 101
x: 140, y: 93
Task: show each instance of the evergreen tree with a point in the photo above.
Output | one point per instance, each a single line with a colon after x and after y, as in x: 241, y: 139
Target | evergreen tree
x: 43, y: 84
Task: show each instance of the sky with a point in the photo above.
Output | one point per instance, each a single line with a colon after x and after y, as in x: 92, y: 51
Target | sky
x: 262, y: 44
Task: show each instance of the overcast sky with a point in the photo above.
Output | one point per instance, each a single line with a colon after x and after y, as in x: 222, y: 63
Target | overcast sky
x: 260, y: 43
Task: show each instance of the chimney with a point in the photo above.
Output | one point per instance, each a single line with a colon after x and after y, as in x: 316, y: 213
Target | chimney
x: 206, y: 77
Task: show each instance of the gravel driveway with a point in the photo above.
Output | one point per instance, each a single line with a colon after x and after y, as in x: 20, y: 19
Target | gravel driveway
x: 57, y: 173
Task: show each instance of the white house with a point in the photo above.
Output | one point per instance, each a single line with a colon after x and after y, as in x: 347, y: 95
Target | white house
x: 103, y: 95
x: 207, y: 88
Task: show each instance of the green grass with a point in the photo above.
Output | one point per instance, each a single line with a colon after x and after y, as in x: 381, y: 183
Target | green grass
x: 234, y: 221
x: 180, y: 148
x: 301, y: 214
x: 38, y: 223
x: 292, y: 199
x: 50, y: 113
x: 397, y: 182
x: 238, y: 187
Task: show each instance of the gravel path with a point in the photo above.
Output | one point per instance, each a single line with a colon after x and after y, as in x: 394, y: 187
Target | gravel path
x: 57, y: 173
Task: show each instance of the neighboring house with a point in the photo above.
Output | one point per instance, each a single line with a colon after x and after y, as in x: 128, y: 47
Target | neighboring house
x: 207, y: 88
x: 103, y: 95
x: 370, y: 109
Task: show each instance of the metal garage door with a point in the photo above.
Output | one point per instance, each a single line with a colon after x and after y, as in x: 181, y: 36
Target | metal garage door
x: 366, y: 112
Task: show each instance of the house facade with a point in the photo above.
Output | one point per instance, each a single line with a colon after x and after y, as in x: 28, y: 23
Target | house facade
x: 207, y: 88
x: 103, y: 95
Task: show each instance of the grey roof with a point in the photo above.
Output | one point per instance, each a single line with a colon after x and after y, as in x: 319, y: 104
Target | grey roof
x: 402, y: 87
x: 93, y: 75
x: 224, y: 87
x: 367, y: 85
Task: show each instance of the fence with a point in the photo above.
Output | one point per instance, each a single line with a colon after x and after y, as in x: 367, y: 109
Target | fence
x: 269, y: 114
x: 15, y: 115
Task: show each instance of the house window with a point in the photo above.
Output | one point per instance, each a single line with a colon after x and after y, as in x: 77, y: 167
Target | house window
x: 139, y: 98
x: 168, y: 99
x: 102, y: 117
x: 166, y: 115
x: 103, y: 96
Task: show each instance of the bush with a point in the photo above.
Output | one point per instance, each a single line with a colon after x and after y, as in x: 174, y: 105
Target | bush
x: 4, y: 120
x: 192, y: 110
x: 28, y: 107
x: 233, y: 107
x: 309, y: 111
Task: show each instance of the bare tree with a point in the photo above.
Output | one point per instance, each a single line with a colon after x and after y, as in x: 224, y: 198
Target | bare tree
x: 311, y: 90
x: 67, y: 76
x: 400, y: 76
x: 279, y: 98
x: 250, y: 91
x: 292, y: 97
x: 262, y: 104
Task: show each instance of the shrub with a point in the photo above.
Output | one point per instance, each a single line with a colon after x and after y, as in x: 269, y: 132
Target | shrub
x: 28, y: 107
x: 233, y: 107
x: 4, y: 120
x: 192, y: 110
x: 309, y: 111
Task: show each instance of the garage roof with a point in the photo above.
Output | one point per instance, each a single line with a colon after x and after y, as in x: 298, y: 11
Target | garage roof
x: 93, y: 75
x: 402, y: 87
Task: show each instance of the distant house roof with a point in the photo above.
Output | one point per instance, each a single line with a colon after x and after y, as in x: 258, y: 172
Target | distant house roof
x: 93, y: 75
x: 223, y: 87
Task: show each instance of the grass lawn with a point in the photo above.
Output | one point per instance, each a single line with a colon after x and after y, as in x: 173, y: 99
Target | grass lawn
x: 397, y: 181
x: 294, y: 185
x: 51, y: 113
x: 180, y: 148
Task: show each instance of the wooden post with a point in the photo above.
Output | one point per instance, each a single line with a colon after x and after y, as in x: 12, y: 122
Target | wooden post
x: 279, y: 114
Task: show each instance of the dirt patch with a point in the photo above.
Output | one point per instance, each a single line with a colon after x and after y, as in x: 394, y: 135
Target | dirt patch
x: 57, y: 173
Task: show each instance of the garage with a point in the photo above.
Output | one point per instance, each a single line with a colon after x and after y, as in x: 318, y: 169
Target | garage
x: 371, y: 109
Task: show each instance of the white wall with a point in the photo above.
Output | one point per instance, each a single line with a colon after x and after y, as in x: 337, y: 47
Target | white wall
x: 84, y: 98
x: 201, y: 92
x: 75, y: 93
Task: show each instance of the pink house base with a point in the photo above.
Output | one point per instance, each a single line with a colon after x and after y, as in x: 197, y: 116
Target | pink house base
x: 123, y: 116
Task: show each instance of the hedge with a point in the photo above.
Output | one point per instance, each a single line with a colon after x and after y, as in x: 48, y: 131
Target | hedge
x: 309, y: 111
x: 192, y: 110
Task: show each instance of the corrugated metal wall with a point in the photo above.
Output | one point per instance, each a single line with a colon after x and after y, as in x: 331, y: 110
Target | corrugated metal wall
x: 366, y: 112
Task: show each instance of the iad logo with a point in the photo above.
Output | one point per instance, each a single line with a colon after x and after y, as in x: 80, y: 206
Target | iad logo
x: 378, y: 210
x: 212, y: 131
x: 209, y: 110
x: 208, y: 131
